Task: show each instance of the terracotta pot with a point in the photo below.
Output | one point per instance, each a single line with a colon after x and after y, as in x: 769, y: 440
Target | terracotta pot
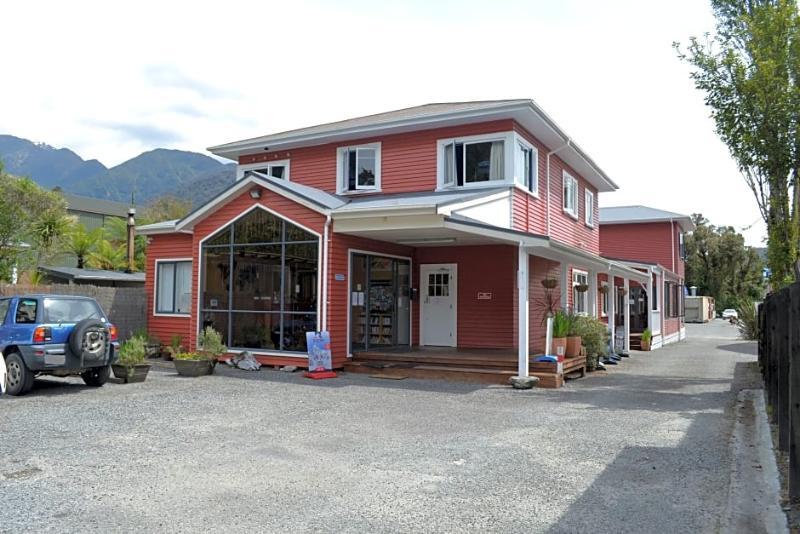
x: 194, y: 367
x: 645, y: 345
x: 573, y: 346
x: 559, y: 347
x: 129, y: 375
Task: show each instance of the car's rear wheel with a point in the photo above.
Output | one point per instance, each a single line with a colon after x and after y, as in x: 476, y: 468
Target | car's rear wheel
x: 20, y: 378
x: 96, y: 376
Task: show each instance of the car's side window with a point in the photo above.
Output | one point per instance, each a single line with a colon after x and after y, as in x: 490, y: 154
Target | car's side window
x: 4, y: 305
x: 26, y: 311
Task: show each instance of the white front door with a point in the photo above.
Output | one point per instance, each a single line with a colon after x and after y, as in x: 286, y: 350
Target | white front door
x: 438, y: 305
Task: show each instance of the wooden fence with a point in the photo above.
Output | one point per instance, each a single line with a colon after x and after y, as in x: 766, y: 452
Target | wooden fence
x: 779, y: 359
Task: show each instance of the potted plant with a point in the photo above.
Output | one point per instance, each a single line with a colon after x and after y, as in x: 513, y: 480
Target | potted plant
x: 130, y: 366
x: 573, y: 337
x: 594, y: 336
x: 603, y: 289
x: 582, y: 288
x: 647, y: 337
x: 201, y: 362
x: 560, y: 331
x: 549, y: 283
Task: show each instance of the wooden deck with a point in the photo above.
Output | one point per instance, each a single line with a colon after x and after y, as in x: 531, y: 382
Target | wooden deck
x: 485, y: 366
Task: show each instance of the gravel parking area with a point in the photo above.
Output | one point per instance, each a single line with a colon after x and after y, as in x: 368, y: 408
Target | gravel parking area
x: 642, y: 448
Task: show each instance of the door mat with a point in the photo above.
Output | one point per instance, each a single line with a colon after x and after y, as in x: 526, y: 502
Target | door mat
x: 387, y: 376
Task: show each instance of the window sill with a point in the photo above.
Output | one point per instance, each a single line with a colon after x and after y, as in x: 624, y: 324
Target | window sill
x: 167, y: 314
x: 534, y: 194
x: 591, y: 226
x: 570, y: 214
x: 359, y: 192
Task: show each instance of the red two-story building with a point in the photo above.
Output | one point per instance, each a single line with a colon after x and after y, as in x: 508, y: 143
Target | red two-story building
x: 652, y: 241
x: 425, y: 230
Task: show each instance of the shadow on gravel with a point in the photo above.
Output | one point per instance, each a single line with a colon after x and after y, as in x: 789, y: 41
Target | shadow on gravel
x: 343, y: 380
x: 54, y: 387
x: 745, y: 347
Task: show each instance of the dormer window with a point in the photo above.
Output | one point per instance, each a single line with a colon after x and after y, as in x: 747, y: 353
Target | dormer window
x: 359, y: 168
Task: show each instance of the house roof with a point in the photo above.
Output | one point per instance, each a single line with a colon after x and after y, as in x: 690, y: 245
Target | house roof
x: 428, y: 116
x: 434, y: 199
x: 643, y: 214
x: 73, y: 273
x: 95, y: 205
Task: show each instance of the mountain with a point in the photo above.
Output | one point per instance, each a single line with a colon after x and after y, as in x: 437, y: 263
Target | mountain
x: 148, y: 176
x: 48, y: 165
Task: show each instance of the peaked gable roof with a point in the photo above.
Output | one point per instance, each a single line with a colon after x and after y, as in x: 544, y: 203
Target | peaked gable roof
x: 643, y: 214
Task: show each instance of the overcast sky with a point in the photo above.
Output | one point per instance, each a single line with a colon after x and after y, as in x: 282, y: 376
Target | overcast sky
x: 113, y: 79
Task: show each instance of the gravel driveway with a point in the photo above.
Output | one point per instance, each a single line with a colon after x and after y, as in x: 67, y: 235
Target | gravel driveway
x: 643, y: 448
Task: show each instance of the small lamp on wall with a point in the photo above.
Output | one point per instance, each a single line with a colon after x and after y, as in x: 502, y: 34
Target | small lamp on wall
x: 255, y: 193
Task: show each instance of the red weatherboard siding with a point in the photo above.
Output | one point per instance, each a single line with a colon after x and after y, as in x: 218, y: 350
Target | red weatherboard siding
x: 492, y: 269
x: 408, y: 160
x: 645, y: 242
x: 164, y: 247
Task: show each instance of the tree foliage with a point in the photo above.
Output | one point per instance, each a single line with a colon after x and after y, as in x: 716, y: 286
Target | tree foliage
x: 33, y: 223
x: 749, y: 74
x: 721, y: 266
x: 165, y: 208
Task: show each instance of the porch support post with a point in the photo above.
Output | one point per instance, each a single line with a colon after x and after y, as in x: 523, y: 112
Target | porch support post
x: 524, y: 308
x: 648, y: 288
x: 627, y: 316
x: 566, y: 285
x: 612, y: 306
x: 592, y: 294
x: 523, y: 380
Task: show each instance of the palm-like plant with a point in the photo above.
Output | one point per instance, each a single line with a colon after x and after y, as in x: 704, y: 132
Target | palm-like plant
x: 82, y: 243
x: 107, y: 256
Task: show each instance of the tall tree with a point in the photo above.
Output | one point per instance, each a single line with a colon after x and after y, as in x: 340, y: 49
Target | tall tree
x: 165, y: 208
x: 749, y: 73
x: 721, y: 266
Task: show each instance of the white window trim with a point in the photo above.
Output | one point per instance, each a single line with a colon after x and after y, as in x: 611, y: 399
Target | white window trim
x: 585, y: 295
x: 586, y: 211
x: 605, y: 298
x: 522, y: 141
x: 565, y: 176
x: 341, y: 187
x: 242, y: 169
x: 658, y: 290
x: 508, y: 139
x: 155, y: 287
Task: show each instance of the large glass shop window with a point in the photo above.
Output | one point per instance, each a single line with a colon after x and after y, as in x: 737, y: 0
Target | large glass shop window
x: 260, y: 283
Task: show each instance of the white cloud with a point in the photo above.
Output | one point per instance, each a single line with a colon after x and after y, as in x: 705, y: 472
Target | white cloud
x: 112, y: 79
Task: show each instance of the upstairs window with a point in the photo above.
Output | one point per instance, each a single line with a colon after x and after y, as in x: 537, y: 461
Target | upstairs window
x: 588, y: 206
x: 359, y: 168
x: 526, y: 166
x: 475, y: 162
x: 570, y: 195
x: 276, y: 169
x: 681, y: 246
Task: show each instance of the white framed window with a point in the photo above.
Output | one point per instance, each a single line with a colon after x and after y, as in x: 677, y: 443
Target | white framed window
x: 526, y: 166
x: 358, y: 168
x: 604, y: 300
x: 476, y: 161
x: 580, y: 292
x: 173, y: 287
x: 588, y: 207
x: 570, y: 195
x: 276, y: 169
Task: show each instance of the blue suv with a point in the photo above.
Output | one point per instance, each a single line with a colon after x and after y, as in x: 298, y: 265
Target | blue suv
x: 57, y: 335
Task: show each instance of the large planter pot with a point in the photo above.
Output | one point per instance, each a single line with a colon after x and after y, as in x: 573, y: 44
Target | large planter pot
x: 559, y: 347
x: 573, y: 346
x: 645, y: 345
x: 129, y: 375
x: 194, y: 367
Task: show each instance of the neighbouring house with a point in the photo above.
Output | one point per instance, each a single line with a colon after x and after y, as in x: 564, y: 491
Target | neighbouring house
x: 651, y: 241
x: 94, y: 277
x: 422, y: 234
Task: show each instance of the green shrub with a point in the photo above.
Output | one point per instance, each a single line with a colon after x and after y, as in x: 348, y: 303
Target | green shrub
x: 561, y: 324
x: 133, y: 351
x: 748, y: 321
x: 210, y: 344
x: 647, y: 335
x: 188, y: 356
x: 594, y: 338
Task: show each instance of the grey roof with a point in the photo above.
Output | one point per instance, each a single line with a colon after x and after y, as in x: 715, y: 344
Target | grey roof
x: 416, y: 112
x: 95, y: 205
x: 642, y: 214
x: 73, y: 273
x: 319, y: 197
x: 163, y: 225
x: 422, y: 198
